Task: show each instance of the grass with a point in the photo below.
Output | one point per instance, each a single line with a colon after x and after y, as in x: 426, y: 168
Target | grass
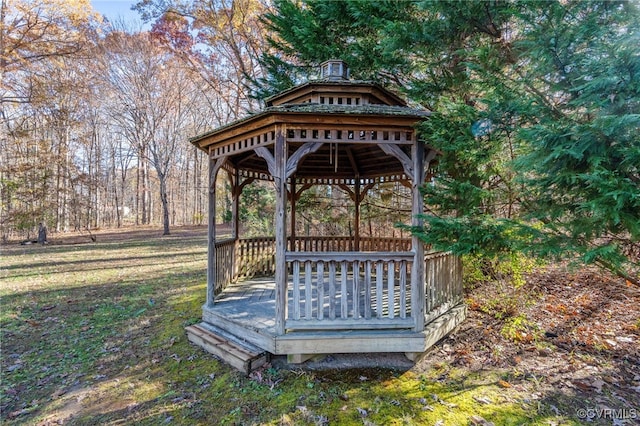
x: 94, y: 334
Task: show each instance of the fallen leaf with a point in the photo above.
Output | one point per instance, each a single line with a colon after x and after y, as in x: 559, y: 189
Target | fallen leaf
x: 504, y: 384
x: 479, y: 421
x: 482, y: 400
x: 597, y: 385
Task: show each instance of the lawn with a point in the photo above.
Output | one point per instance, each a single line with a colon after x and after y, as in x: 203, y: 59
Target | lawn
x: 93, y: 333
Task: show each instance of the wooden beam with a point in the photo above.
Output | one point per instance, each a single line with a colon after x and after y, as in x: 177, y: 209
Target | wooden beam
x: 244, y: 183
x: 303, y: 151
x: 356, y: 220
x: 292, y: 197
x: 279, y: 162
x: 354, y: 164
x: 265, y: 154
x: 214, y: 167
x: 429, y: 156
x: 349, y: 191
x: 417, y: 208
x: 395, y: 151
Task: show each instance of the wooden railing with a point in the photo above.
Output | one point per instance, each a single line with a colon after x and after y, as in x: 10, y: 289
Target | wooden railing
x: 241, y: 259
x: 225, y: 261
x: 251, y: 257
x: 443, y: 283
x: 342, y: 243
x: 342, y: 289
x: 385, y: 244
x: 255, y: 257
x: 349, y: 290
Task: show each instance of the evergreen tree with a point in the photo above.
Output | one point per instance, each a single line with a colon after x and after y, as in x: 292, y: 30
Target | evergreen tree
x: 535, y: 109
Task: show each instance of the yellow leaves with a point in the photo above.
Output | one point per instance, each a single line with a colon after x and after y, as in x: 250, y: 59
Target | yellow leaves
x: 38, y: 29
x: 75, y: 12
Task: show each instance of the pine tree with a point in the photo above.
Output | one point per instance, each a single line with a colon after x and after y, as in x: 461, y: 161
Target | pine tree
x: 535, y: 110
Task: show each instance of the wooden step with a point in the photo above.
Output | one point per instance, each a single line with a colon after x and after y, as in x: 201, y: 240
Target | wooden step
x: 240, y: 355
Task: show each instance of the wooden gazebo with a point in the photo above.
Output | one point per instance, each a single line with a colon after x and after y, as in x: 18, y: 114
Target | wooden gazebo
x: 302, y: 296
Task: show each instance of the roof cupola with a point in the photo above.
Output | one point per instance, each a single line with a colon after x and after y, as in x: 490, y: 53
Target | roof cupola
x: 334, y: 69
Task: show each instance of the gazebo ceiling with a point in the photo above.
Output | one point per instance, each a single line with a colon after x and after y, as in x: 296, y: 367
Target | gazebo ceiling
x: 331, y: 161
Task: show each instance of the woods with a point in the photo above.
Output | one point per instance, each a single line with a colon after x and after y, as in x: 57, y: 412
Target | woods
x: 535, y: 110
x: 96, y: 116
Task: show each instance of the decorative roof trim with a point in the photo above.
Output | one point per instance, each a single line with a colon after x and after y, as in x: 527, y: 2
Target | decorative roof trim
x: 320, y: 109
x: 329, y: 82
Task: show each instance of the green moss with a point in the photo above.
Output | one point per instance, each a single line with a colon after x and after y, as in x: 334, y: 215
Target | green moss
x: 97, y: 332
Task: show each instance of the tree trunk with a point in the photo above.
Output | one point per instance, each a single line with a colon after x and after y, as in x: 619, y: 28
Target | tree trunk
x: 165, y: 203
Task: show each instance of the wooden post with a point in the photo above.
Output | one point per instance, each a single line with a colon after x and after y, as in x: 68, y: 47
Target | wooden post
x: 294, y: 197
x: 236, y: 190
x: 417, y: 208
x: 280, y: 181
x: 214, y: 166
x: 356, y: 224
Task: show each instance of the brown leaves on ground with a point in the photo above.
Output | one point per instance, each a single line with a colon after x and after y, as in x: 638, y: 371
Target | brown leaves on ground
x: 586, y: 344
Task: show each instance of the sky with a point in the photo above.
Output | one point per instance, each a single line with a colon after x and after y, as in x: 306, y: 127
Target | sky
x: 116, y: 10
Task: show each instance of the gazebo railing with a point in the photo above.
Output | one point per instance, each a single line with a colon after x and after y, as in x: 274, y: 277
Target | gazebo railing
x: 244, y: 258
x: 251, y: 257
x: 342, y: 289
x: 346, y: 243
x: 443, y: 283
x: 349, y: 290
x: 225, y: 258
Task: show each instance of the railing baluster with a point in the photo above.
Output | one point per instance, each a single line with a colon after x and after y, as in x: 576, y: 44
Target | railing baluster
x: 379, y: 297
x: 403, y: 289
x: 308, y: 294
x: 356, y: 289
x: 296, y: 290
x: 343, y: 291
x: 332, y: 290
x: 367, y: 289
x: 320, y: 287
x: 391, y: 288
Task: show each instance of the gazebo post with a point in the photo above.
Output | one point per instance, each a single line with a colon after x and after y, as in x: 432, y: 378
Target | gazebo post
x: 214, y: 166
x: 236, y: 190
x: 417, y: 208
x: 356, y: 224
x: 292, y: 236
x: 280, y: 181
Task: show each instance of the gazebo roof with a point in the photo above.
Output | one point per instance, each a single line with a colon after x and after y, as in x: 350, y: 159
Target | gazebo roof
x: 354, y: 126
x: 328, y: 85
x: 313, y: 109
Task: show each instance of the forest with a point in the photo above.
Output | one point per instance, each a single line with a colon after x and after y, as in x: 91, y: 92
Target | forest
x: 535, y: 110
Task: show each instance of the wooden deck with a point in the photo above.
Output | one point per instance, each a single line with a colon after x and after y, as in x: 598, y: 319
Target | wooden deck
x: 246, y: 310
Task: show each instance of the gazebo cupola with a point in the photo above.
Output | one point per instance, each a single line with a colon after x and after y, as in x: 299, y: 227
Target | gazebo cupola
x: 326, y: 294
x: 334, y: 69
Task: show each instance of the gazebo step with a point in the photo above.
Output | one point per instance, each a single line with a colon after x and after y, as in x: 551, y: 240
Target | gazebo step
x: 241, y: 355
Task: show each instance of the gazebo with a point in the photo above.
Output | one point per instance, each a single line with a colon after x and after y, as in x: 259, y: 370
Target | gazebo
x: 301, y: 296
